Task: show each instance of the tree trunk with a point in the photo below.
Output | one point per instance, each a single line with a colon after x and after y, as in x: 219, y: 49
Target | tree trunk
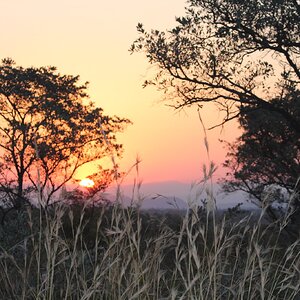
x: 19, y: 198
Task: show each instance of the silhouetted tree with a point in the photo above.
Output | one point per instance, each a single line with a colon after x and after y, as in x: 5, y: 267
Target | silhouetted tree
x: 265, y: 160
x: 243, y: 56
x: 48, y: 130
x: 230, y: 52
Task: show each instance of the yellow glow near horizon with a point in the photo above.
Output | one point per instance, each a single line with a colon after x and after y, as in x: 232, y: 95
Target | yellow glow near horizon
x: 86, y: 182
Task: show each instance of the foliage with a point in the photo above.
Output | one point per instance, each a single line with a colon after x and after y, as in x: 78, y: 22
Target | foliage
x: 265, y: 160
x: 267, y: 153
x: 230, y: 52
x: 48, y: 130
x: 243, y: 56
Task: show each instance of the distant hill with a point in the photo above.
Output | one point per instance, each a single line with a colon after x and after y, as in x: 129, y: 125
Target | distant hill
x: 157, y: 202
x: 169, y: 194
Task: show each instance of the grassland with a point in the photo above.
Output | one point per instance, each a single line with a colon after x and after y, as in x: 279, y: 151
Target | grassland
x: 115, y: 253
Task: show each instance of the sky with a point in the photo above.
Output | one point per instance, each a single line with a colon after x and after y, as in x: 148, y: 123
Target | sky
x: 91, y: 38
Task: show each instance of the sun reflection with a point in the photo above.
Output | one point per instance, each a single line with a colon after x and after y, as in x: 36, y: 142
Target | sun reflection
x: 86, y: 182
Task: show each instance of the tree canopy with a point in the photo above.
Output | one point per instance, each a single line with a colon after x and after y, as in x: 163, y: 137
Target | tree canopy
x: 48, y: 129
x: 230, y: 52
x: 244, y: 56
x: 267, y: 154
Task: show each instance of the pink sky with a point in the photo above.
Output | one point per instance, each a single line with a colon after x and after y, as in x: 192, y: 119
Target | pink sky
x: 91, y: 38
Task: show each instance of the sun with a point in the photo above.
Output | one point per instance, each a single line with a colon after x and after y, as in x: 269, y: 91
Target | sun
x: 86, y: 182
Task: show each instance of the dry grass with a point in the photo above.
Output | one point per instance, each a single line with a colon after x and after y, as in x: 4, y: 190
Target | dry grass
x: 115, y: 253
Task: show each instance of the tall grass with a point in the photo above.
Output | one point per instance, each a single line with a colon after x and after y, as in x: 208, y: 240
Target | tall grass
x: 122, y: 253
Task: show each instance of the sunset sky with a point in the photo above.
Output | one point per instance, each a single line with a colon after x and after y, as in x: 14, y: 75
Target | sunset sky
x: 91, y: 38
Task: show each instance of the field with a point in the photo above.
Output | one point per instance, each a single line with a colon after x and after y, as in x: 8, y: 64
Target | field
x: 122, y: 253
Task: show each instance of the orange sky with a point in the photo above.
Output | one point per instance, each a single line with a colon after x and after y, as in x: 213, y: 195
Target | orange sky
x: 91, y: 38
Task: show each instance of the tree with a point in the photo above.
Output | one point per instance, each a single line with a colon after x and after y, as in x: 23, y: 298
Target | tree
x: 265, y: 160
x: 241, y: 55
x: 48, y: 130
x: 230, y: 52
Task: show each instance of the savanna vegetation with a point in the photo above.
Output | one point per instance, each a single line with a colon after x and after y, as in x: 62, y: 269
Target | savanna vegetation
x: 116, y: 253
x: 242, y: 55
x: 49, y: 129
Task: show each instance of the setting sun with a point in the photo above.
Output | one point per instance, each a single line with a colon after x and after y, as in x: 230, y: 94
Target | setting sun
x: 86, y: 182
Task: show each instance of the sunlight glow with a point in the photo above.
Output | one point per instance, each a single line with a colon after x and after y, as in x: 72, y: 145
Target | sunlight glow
x: 86, y: 182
